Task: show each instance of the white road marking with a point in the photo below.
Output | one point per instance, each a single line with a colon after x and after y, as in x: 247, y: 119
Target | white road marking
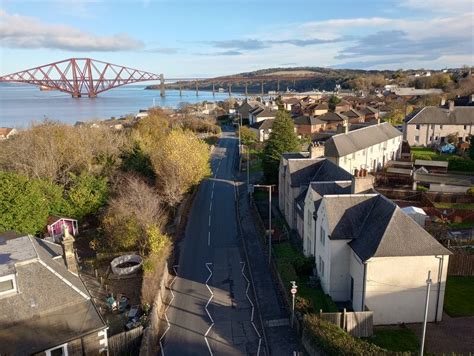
x: 209, y: 220
x: 212, y: 192
x: 253, y: 308
x: 166, y: 310
x: 210, y: 207
x: 209, y: 238
x: 207, y: 311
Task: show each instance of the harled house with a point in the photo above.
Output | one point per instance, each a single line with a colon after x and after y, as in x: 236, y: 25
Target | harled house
x: 45, y: 307
x: 7, y: 132
x: 307, y: 125
x: 432, y: 125
x: 369, y: 253
x: 367, y: 148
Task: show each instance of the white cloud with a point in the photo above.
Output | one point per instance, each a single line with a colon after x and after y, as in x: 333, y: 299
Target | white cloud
x: 18, y: 31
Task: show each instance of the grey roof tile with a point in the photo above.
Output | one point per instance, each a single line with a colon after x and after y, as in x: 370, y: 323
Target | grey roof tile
x: 460, y: 115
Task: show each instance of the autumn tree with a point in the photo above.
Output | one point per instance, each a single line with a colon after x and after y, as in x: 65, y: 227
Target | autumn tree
x: 247, y: 136
x: 282, y: 139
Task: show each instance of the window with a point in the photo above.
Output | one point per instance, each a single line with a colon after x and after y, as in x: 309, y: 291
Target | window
x: 7, y: 284
x: 322, y: 236
x: 58, y: 351
x: 433, y: 126
x: 440, y: 127
x: 417, y: 138
x: 321, y: 267
x: 417, y: 127
x: 465, y: 127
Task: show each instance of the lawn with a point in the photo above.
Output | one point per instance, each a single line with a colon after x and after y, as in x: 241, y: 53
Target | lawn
x: 400, y: 339
x: 456, y: 163
x: 463, y: 206
x: 458, y: 299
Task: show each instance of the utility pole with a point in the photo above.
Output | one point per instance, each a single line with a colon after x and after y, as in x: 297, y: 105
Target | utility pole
x: 269, y: 187
x: 240, y: 129
x: 427, y: 301
x: 248, y: 168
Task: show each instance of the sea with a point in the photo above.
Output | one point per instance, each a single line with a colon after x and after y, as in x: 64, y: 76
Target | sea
x: 21, y: 105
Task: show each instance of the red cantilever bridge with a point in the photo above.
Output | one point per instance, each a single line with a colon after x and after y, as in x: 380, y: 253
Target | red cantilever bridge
x: 86, y: 76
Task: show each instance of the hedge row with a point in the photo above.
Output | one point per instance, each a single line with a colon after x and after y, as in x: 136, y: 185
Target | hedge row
x: 335, y: 341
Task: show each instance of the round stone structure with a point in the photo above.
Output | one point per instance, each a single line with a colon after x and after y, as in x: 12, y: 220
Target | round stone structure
x: 126, y: 264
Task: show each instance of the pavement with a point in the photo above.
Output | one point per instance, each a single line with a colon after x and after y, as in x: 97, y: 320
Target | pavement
x: 212, y: 311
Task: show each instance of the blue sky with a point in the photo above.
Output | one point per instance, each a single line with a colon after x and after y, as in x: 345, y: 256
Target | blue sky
x: 206, y: 38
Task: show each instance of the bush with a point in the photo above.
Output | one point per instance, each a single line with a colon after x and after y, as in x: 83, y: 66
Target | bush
x: 335, y: 341
x: 304, y: 305
x: 304, y: 265
x: 421, y: 188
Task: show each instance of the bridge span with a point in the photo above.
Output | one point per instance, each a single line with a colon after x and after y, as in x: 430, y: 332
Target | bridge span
x: 89, y: 77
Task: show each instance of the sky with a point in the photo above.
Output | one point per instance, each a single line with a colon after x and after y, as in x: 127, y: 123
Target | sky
x: 204, y: 38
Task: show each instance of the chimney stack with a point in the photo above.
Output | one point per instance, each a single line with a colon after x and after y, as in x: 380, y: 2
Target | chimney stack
x: 451, y: 105
x: 68, y: 251
x: 346, y: 126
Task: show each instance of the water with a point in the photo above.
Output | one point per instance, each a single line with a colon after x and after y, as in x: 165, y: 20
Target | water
x: 22, y: 104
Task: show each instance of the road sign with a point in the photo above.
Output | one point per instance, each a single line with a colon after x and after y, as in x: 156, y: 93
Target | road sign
x: 293, y: 290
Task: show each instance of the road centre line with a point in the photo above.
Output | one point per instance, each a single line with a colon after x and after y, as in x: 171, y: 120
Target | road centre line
x: 207, y: 304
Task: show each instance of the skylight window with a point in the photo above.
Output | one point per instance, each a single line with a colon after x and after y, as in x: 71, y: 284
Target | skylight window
x: 7, y: 284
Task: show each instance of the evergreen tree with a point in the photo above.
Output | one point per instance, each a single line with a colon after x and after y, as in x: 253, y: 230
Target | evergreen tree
x: 282, y: 139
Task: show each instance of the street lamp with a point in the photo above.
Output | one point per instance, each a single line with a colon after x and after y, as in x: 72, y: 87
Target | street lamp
x: 240, y: 129
x: 269, y: 187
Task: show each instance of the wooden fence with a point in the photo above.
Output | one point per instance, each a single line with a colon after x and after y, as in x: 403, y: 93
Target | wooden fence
x: 359, y: 324
x: 125, y: 343
x: 461, y: 265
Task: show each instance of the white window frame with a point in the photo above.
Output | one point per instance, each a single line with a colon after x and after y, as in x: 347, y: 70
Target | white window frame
x: 10, y: 277
x: 63, y: 346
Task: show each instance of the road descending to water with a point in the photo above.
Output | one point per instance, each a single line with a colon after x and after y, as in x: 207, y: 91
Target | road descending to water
x: 211, y: 313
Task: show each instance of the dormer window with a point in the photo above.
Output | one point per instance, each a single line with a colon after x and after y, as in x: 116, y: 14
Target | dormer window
x: 7, y: 285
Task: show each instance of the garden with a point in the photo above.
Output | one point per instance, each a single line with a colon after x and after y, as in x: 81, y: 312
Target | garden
x: 458, y: 299
x: 456, y: 163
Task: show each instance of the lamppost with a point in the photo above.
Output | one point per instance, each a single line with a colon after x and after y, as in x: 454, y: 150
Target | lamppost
x: 293, y: 290
x: 269, y: 187
x: 240, y: 128
x: 427, y: 302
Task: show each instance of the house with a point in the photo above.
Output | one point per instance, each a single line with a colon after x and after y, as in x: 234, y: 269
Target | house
x: 55, y: 227
x: 307, y: 125
x: 262, y: 129
x: 369, y: 253
x: 367, y: 148
x: 316, y: 109
x: 333, y: 120
x: 7, y: 132
x: 354, y: 116
x: 245, y: 108
x: 432, y: 125
x: 261, y: 113
x: 289, y: 102
x: 297, y: 170
x: 370, y: 114
x: 46, y: 309
x: 342, y: 106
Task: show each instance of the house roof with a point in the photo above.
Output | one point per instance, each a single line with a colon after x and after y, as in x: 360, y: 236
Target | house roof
x: 319, y: 189
x: 423, y: 162
x: 54, y: 218
x: 332, y: 116
x: 304, y: 171
x: 378, y: 227
x: 368, y: 110
x: 351, y: 113
x: 263, y: 125
x: 344, y: 144
x: 295, y: 155
x: 53, y: 306
x: 299, y: 201
x: 459, y: 115
x: 448, y: 179
x: 4, y: 131
x: 308, y: 120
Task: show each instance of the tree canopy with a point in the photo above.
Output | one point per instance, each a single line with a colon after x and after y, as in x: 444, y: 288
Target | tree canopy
x: 282, y: 139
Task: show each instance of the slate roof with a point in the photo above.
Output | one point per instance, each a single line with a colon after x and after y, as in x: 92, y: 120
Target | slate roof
x: 53, y: 306
x: 460, y: 115
x: 332, y: 116
x: 308, y: 120
x: 368, y: 110
x: 299, y: 201
x: 378, y: 227
x: 263, y: 125
x: 295, y: 155
x: 304, y: 171
x: 344, y: 144
x: 352, y: 113
x: 320, y: 189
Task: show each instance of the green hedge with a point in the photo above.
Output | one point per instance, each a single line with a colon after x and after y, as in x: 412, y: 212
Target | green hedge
x: 335, y: 341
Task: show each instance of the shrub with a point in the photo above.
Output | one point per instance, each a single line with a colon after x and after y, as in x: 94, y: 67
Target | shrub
x: 421, y: 188
x: 304, y: 265
x: 304, y: 305
x: 335, y: 341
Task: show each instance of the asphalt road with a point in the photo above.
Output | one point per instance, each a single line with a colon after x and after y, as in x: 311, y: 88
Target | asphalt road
x: 210, y: 312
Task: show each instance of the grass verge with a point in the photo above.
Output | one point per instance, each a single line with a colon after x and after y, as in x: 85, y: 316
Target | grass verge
x: 400, y: 339
x: 458, y: 297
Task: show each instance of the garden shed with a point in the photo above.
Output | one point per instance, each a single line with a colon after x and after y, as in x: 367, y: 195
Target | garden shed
x: 55, y: 226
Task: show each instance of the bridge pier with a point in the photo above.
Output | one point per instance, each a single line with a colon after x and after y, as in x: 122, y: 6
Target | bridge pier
x: 263, y: 91
x: 162, y: 86
x: 213, y: 89
x: 246, y: 91
x: 197, y: 88
x: 278, y: 86
x: 229, y: 86
x: 180, y: 90
x: 76, y: 95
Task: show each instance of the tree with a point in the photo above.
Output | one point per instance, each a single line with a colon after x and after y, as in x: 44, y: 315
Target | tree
x: 282, y: 139
x: 333, y: 101
x: 247, y: 136
x: 23, y: 204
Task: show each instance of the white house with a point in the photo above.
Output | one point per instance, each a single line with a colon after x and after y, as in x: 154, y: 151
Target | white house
x: 370, y: 253
x: 367, y: 148
x: 261, y: 113
x: 262, y: 129
x: 432, y: 125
